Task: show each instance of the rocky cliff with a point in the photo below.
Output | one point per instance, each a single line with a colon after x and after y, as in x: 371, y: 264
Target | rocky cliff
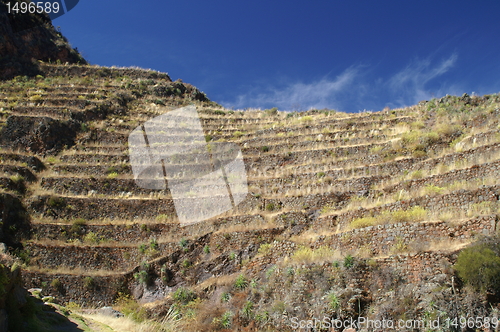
x: 27, y: 38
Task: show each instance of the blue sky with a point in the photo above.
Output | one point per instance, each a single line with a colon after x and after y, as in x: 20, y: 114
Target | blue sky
x: 297, y: 55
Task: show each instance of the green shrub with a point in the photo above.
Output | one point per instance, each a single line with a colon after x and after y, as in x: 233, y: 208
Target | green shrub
x: 479, y: 266
x: 51, y: 160
x: 417, y: 125
x: 446, y: 129
x: 241, y: 282
x: 142, y: 248
x: 77, y: 225
x: 348, y: 261
x: 399, y: 246
x: 264, y: 148
x: 238, y: 134
x: 56, y: 202
x: 431, y: 189
x: 91, y: 238
x: 412, y: 136
x: 264, y: 249
x: 84, y: 127
x: 232, y: 256
x: 153, y: 244
x: 112, y: 175
x: 206, y: 249
x: 270, y: 271
x: 23, y: 255
x: 88, y: 282
x: 186, y: 263
x: 183, y: 295
x: 183, y: 243
x: 419, y: 154
x: 270, y: 207
x: 56, y: 284
x: 376, y: 149
x: 247, y: 310
x: 224, y: 321
x: 142, y: 276
x: 333, y: 300
x: 225, y: 297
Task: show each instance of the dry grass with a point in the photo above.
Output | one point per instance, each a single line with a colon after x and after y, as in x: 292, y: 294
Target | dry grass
x: 77, y: 243
x: 447, y: 245
x: 429, y: 189
x: 309, y: 236
x: 415, y: 214
x: 220, y: 281
x: 169, y: 323
x: 75, y: 271
x: 306, y: 255
x: 246, y: 227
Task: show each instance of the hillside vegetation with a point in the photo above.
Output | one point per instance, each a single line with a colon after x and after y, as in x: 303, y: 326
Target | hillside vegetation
x: 348, y: 215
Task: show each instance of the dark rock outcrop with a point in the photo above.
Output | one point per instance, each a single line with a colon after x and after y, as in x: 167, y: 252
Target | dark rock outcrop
x: 14, y: 220
x: 12, y: 296
x: 27, y: 38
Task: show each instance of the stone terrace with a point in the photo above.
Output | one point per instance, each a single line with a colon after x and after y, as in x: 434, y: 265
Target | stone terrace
x: 311, y: 175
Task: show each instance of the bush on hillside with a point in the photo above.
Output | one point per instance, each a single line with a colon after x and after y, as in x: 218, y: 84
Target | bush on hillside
x: 479, y: 265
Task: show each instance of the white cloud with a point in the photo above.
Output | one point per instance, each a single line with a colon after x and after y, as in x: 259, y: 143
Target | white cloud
x: 353, y: 90
x: 409, y: 85
x: 302, y: 96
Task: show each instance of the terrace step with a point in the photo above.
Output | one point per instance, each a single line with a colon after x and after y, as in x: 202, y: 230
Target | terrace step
x: 25, y: 172
x: 411, y: 236
x: 73, y: 286
x: 60, y: 112
x: 9, y: 158
x: 96, y: 71
x: 458, y: 201
x: 55, y: 102
x: 476, y: 172
x: 127, y: 232
x: 111, y: 257
x: 108, y: 209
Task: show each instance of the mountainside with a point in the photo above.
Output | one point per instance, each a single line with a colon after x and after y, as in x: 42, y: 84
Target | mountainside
x: 348, y: 215
x: 390, y: 216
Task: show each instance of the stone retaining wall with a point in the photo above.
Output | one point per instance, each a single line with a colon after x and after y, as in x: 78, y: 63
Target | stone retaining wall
x: 459, y: 200
x: 381, y: 239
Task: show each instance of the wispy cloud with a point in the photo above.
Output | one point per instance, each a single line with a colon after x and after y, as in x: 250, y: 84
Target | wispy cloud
x: 324, y: 93
x: 409, y: 86
x: 353, y: 89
